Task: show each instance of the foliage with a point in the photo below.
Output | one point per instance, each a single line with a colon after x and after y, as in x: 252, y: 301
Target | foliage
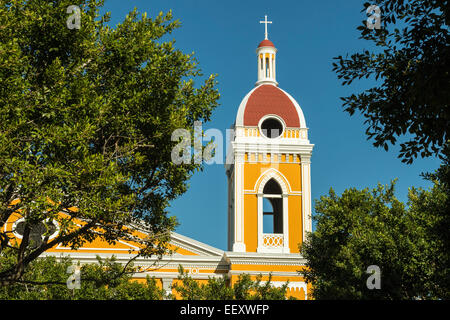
x: 362, y: 228
x: 221, y: 289
x: 86, y: 122
x: 46, y: 279
x: 440, y: 230
x: 411, y: 63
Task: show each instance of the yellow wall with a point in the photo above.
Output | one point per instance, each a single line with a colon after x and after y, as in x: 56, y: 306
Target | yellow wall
x: 292, y: 174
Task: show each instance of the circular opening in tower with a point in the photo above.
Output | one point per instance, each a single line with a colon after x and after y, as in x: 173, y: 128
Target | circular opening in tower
x: 271, y: 128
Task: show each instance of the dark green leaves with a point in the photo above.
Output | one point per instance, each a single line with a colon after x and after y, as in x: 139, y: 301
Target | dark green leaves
x: 361, y: 228
x: 87, y: 117
x: 412, y: 72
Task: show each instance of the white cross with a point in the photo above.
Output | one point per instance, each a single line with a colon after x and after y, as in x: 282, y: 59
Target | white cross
x: 266, y: 22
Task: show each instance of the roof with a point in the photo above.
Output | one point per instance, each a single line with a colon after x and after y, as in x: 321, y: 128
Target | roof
x: 266, y: 43
x: 269, y: 99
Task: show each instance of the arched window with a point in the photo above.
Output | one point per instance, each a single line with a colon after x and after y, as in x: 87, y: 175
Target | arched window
x: 272, y: 208
x: 273, y: 228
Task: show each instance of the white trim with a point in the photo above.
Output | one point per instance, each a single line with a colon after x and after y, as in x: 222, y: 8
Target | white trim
x: 255, y: 258
x: 18, y: 236
x: 177, y: 240
x: 293, y: 193
x: 260, y: 213
x: 265, y: 273
x: 239, y: 247
x: 167, y: 285
x: 194, y: 245
x: 306, y: 199
x: 243, y: 104
x: 285, y: 225
x: 272, y: 116
x: 277, y: 176
x: 263, y: 145
x: 165, y: 262
x: 174, y: 275
x: 265, y: 177
x: 239, y: 237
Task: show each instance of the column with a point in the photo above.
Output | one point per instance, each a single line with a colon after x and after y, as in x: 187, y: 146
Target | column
x: 260, y: 221
x: 285, y: 224
x: 306, y: 194
x: 239, y: 245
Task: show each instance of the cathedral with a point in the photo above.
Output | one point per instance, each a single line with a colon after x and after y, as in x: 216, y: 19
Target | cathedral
x: 269, y: 198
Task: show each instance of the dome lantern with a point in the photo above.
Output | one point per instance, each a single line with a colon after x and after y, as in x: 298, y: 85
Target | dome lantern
x: 266, y: 55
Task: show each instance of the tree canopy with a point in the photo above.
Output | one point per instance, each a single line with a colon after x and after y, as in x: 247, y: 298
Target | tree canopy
x: 410, y: 63
x: 86, y: 122
x: 221, y: 289
x: 366, y: 227
x: 46, y: 278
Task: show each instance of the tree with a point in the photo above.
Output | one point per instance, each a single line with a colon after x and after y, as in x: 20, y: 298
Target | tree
x: 46, y: 279
x: 362, y: 228
x: 411, y: 63
x: 86, y: 122
x: 440, y: 230
x: 220, y: 288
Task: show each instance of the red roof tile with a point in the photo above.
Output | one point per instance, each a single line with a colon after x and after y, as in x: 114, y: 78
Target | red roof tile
x: 268, y: 99
x: 266, y: 43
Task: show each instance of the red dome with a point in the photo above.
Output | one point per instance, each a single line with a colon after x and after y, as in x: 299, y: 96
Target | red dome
x: 269, y: 99
x: 266, y: 43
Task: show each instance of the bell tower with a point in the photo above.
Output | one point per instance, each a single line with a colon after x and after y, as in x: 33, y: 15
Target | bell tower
x: 268, y: 166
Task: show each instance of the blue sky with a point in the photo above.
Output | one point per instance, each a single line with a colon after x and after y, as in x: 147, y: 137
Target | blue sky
x: 308, y: 34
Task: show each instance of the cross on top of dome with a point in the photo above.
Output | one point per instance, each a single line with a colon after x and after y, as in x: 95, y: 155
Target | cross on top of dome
x: 266, y: 23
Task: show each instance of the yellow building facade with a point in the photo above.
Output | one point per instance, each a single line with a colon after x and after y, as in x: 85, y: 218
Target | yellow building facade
x: 269, y: 198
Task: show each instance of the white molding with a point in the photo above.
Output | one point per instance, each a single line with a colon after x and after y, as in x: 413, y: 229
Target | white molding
x: 265, y: 273
x: 154, y: 263
x: 194, y: 245
x: 272, y: 173
x: 254, y: 258
x: 260, y: 214
x: 203, y: 262
x: 177, y: 240
x: 265, y: 177
x: 293, y: 193
x: 285, y: 225
x: 243, y: 145
x: 239, y: 247
x: 167, y: 284
x: 18, y: 236
x: 306, y: 199
x: 277, y: 117
x: 239, y: 237
x: 174, y: 275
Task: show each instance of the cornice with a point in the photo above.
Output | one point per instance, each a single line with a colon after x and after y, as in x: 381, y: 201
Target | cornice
x: 253, y: 258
